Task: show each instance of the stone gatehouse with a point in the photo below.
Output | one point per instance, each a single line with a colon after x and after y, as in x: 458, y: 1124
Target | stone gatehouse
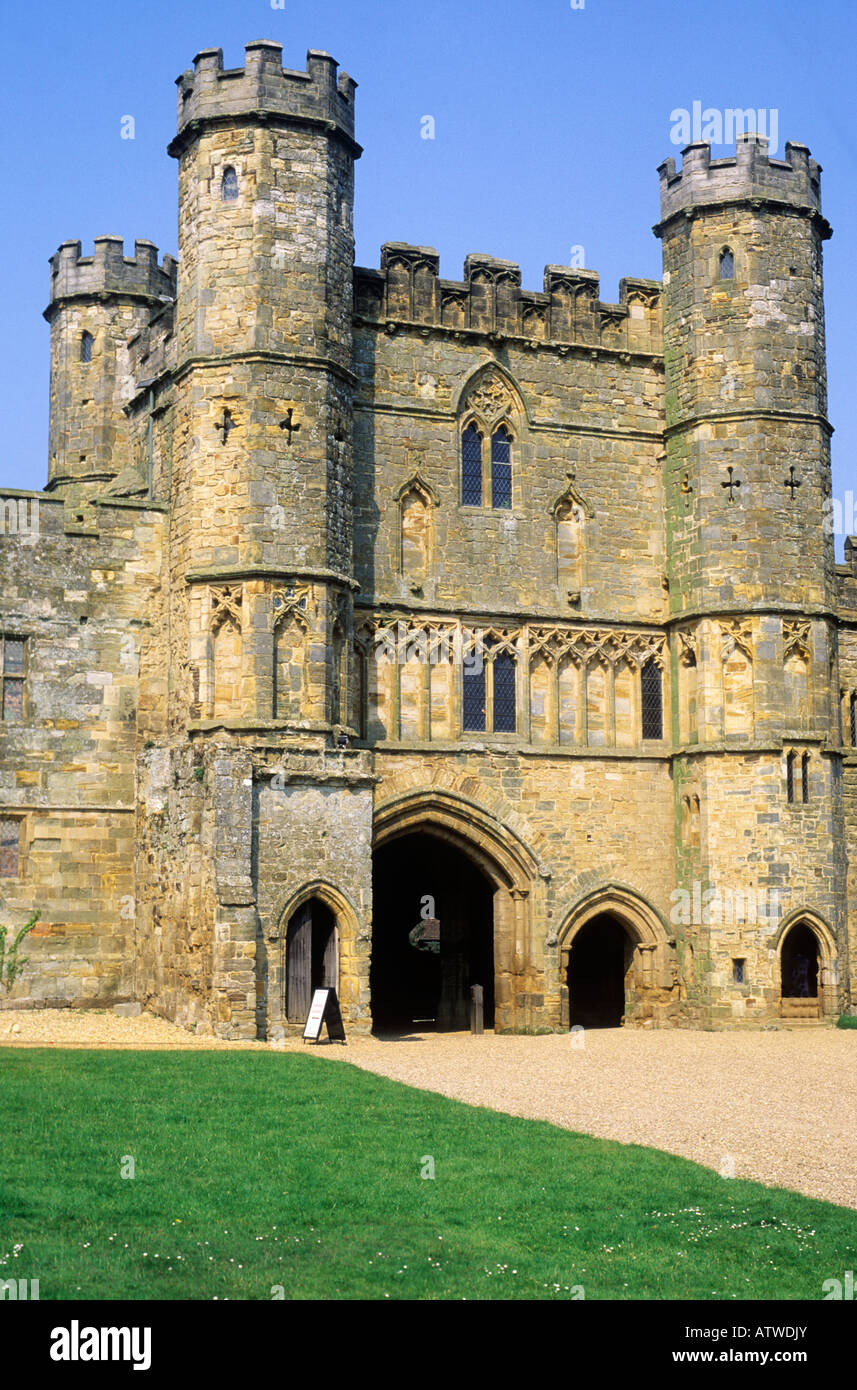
x: 405, y: 634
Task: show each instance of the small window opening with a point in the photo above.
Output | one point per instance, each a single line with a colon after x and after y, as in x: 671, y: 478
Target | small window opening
x: 229, y: 185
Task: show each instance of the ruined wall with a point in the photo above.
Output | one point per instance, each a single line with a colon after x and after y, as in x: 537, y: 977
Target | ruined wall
x: 79, y: 598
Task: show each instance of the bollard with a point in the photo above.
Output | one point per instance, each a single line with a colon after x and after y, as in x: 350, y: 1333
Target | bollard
x: 476, y: 1009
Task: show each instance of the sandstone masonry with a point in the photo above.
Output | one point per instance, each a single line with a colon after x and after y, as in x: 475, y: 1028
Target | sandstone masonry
x: 360, y: 599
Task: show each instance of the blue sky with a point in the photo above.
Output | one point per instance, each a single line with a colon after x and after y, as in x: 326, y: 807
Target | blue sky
x: 549, y: 126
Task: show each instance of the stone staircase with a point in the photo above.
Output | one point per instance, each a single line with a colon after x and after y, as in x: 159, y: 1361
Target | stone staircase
x: 800, y: 1010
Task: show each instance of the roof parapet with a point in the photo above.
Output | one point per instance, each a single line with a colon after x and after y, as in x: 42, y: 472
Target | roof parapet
x: 110, y: 272
x: 263, y: 88
x: 747, y: 175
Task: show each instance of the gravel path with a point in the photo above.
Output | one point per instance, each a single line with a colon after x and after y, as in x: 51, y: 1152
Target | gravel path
x: 779, y: 1107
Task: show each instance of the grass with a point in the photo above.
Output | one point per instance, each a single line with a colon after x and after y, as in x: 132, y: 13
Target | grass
x: 262, y: 1170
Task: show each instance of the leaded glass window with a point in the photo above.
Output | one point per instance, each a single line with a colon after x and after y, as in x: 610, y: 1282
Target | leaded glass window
x: 651, y: 692
x: 471, y: 467
x: 473, y: 701
x: 504, y: 694
x: 804, y: 776
x: 790, y: 777
x: 10, y: 847
x: 501, y: 468
x: 86, y: 341
x: 727, y: 265
x: 229, y: 185
x: 12, y: 675
x: 854, y: 721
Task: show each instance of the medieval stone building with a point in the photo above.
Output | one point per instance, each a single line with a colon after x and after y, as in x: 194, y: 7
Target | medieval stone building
x: 361, y: 601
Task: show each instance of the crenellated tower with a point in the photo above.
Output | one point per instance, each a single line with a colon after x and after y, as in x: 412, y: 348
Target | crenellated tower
x: 97, y: 303
x: 750, y: 563
x: 262, y: 472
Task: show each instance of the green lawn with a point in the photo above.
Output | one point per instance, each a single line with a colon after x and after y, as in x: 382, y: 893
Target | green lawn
x: 268, y: 1169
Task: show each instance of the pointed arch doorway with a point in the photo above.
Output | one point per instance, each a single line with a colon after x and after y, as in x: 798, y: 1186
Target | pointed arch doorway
x: 800, y: 973
x: 421, y: 981
x: 600, y: 958
x: 312, y: 956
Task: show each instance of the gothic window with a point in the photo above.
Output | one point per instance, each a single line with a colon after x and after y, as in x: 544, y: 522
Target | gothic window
x: 790, y: 777
x: 804, y: 777
x: 651, y: 693
x: 853, y: 719
x: 10, y: 847
x: 504, y: 693
x: 474, y: 697
x: 12, y: 659
x: 727, y: 264
x: 86, y: 341
x: 229, y: 185
x: 471, y: 467
x: 501, y: 468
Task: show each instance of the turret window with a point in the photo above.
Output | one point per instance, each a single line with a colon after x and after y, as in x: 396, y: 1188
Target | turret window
x: 501, y: 468
x: 471, y: 467
x: 651, y: 691
x: 86, y: 341
x: 727, y: 264
x: 790, y: 778
x: 853, y: 719
x: 804, y: 776
x: 229, y: 185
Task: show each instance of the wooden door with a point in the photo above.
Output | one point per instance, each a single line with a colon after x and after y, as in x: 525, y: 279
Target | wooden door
x: 299, y: 964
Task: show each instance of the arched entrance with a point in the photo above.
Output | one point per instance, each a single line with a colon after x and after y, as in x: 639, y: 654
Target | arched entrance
x: 311, y: 956
x: 432, y: 935
x: 808, y: 967
x: 799, y: 963
x: 601, y: 955
x: 616, y: 962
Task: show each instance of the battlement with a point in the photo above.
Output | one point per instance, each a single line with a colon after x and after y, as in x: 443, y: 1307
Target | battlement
x: 110, y: 272
x: 747, y: 175
x: 408, y: 290
x: 263, y: 88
